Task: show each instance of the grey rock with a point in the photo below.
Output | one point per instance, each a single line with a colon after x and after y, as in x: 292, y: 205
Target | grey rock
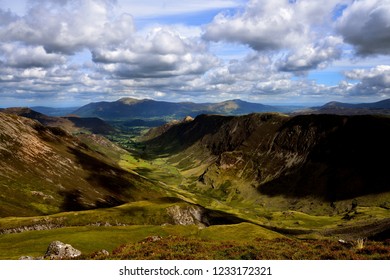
x: 58, y: 251
x: 29, y: 258
x: 105, y: 252
x: 102, y: 254
x: 154, y: 238
x: 26, y: 258
x: 188, y: 215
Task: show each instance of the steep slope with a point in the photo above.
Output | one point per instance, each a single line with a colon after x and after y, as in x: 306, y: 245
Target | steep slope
x: 322, y: 157
x: 45, y: 170
x: 71, y: 123
x: 129, y: 108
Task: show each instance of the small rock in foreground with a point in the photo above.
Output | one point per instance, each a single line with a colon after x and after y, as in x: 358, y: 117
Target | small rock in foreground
x: 58, y: 251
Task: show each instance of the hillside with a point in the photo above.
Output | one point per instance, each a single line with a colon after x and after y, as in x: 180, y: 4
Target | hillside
x: 296, y: 161
x: 376, y: 108
x: 71, y: 124
x: 45, y: 170
x: 129, y: 108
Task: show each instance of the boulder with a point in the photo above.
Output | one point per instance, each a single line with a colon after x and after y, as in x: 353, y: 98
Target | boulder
x: 58, y: 251
x: 188, y: 215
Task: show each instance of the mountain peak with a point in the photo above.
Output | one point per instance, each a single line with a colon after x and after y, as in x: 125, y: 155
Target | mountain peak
x: 129, y: 100
x: 332, y: 104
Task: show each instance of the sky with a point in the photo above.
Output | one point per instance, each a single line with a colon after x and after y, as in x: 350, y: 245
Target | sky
x: 73, y: 52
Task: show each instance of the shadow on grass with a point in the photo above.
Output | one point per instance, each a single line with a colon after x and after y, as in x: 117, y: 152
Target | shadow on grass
x: 118, y: 185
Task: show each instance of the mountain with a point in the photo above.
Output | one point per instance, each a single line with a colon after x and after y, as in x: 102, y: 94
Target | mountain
x: 71, y: 123
x: 273, y: 159
x: 45, y: 170
x: 129, y: 108
x: 94, y: 125
x: 54, y: 112
x: 378, y: 108
x: 383, y: 104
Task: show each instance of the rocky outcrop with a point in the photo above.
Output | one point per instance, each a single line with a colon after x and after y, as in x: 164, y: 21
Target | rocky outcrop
x: 188, y: 215
x: 58, y: 251
x: 38, y: 227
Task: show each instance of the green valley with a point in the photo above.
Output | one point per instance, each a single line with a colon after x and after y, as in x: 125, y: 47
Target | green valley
x: 243, y: 187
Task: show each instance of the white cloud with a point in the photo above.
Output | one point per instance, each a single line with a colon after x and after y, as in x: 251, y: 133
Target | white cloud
x: 259, y: 50
x: 264, y: 25
x: 15, y: 55
x: 366, y: 25
x: 161, y: 53
x: 272, y: 25
x: 68, y: 26
x: 312, y: 56
x: 374, y: 81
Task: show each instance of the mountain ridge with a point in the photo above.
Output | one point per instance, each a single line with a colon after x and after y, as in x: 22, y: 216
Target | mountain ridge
x: 328, y: 157
x: 381, y: 107
x: 125, y: 108
x: 72, y: 124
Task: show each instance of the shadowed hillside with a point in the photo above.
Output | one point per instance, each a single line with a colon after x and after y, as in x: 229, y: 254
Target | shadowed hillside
x: 45, y: 170
x: 329, y: 157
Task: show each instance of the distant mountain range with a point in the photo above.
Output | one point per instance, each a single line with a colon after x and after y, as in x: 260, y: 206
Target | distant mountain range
x: 129, y: 108
x: 152, y: 113
x: 339, y: 108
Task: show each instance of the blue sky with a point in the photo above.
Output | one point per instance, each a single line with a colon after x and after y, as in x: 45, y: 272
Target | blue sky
x: 72, y: 52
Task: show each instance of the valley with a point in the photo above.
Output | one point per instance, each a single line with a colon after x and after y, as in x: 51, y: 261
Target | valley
x: 260, y: 182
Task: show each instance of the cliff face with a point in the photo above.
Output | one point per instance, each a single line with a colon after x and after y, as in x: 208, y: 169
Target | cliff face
x: 325, y: 156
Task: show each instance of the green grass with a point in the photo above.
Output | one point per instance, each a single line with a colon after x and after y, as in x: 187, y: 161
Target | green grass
x: 91, y: 239
x: 151, y: 212
x: 86, y: 239
x: 242, y: 231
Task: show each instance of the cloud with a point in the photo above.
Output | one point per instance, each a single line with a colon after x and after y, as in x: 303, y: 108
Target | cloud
x: 366, y: 26
x: 68, y: 26
x: 6, y: 17
x: 157, y: 8
x: 271, y: 25
x: 18, y: 56
x: 260, y: 50
x: 259, y: 26
x: 161, y: 53
x: 296, y: 33
x: 312, y: 56
x: 373, y: 81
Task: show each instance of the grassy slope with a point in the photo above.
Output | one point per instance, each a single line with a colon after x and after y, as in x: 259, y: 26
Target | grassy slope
x: 91, y: 239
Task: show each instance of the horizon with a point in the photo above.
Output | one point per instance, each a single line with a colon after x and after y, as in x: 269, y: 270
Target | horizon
x: 303, y: 105
x: 71, y: 53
